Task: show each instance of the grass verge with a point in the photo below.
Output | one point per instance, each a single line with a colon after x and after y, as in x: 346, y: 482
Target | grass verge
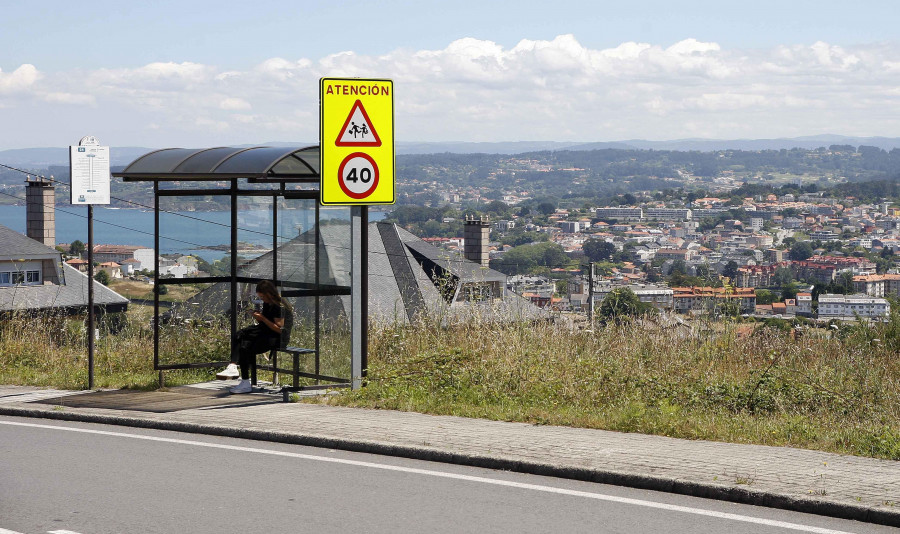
x: 831, y: 390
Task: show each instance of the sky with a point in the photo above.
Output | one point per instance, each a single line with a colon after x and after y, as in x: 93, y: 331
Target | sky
x: 203, y: 73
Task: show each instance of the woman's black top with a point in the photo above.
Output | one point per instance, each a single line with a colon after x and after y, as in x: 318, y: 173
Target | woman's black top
x: 270, y: 312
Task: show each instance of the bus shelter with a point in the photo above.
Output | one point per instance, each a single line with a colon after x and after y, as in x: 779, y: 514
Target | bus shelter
x: 273, y: 231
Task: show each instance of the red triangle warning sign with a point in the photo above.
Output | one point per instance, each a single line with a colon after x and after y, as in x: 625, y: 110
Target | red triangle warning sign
x: 358, y: 130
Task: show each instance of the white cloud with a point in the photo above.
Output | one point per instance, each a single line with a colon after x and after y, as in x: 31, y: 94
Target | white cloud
x: 68, y: 98
x: 18, y: 80
x: 234, y: 104
x: 538, y: 89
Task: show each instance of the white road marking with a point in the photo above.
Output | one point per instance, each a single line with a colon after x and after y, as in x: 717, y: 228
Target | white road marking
x: 441, y: 474
x: 61, y: 532
x: 4, y: 531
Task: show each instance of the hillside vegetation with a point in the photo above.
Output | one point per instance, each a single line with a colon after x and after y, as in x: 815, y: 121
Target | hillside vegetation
x: 833, y: 390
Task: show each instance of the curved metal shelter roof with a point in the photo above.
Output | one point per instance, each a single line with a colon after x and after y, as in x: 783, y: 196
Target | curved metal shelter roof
x: 261, y: 162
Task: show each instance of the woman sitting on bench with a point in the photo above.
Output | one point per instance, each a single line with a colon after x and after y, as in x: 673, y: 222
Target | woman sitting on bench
x: 257, y: 338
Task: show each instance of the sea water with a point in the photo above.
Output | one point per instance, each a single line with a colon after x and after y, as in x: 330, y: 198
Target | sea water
x: 181, y: 232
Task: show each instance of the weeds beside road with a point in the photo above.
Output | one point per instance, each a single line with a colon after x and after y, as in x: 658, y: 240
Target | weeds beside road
x: 832, y: 390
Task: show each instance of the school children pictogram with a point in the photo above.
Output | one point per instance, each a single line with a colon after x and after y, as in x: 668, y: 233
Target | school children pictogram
x: 358, y: 129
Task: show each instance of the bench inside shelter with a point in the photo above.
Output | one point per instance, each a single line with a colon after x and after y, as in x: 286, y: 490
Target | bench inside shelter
x: 295, y: 354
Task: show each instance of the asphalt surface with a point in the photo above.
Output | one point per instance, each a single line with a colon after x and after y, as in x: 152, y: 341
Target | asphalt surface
x: 839, y: 486
x: 90, y: 478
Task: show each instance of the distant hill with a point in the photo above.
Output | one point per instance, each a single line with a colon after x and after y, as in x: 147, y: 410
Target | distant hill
x: 55, y: 156
x: 710, y: 145
x: 52, y: 156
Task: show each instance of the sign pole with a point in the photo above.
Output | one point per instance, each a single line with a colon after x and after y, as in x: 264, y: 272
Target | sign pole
x: 89, y: 185
x: 90, y: 321
x: 358, y: 258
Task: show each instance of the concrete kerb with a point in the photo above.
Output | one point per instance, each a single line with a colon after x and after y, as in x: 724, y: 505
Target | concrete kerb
x: 639, y: 481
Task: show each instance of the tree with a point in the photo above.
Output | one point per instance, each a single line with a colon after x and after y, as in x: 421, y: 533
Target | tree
x: 782, y: 276
x: 547, y: 208
x: 102, y: 277
x: 530, y: 258
x: 730, y: 270
x: 76, y: 248
x: 789, y: 291
x: 620, y: 304
x: 764, y: 296
x: 801, y: 250
x: 598, y: 249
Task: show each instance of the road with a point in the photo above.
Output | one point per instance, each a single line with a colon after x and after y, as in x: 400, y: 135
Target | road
x: 65, y: 478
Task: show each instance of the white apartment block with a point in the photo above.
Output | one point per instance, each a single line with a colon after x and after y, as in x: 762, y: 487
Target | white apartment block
x: 626, y: 214
x: 852, y: 305
x: 668, y: 214
x: 657, y: 296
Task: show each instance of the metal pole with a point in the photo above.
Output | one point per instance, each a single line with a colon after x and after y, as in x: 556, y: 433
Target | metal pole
x: 233, y: 286
x: 90, y: 325
x: 275, y: 276
x: 357, y: 259
x: 364, y: 291
x: 591, y: 294
x: 156, y: 282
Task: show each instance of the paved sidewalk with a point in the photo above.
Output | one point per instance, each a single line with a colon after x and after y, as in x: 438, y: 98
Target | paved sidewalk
x: 828, y: 484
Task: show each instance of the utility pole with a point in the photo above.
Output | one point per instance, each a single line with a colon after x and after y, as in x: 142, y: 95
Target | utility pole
x: 591, y: 293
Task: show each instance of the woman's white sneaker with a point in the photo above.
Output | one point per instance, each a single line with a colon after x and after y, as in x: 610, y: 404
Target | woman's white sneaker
x: 229, y: 373
x: 243, y: 387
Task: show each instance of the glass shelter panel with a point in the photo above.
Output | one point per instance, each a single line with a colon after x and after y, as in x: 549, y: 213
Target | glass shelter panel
x: 296, y: 242
x: 197, y: 331
x: 334, y: 270
x: 254, y: 235
x: 188, y: 226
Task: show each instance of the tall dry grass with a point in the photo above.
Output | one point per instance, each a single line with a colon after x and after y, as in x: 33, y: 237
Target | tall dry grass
x: 836, y: 391
x: 50, y: 350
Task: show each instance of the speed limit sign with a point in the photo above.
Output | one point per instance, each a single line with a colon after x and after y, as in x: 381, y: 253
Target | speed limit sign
x: 358, y: 175
x: 356, y: 141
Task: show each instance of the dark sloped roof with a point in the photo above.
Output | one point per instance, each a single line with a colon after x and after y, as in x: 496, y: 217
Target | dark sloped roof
x: 14, y: 245
x: 71, y: 295
x: 401, y: 288
x: 464, y: 269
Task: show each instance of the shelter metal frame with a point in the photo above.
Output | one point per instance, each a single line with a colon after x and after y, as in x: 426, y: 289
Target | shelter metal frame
x: 271, y: 165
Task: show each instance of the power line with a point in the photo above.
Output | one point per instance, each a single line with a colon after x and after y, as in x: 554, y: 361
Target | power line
x: 109, y: 223
x: 138, y: 203
x: 500, y: 262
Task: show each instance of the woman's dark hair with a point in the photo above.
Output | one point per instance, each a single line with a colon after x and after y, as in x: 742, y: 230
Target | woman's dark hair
x: 267, y: 288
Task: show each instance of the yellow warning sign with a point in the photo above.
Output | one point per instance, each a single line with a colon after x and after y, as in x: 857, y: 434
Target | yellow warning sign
x: 356, y: 141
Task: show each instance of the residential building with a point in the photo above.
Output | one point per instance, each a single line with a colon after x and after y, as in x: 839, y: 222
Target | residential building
x: 852, y: 306
x: 34, y: 277
x: 659, y: 297
x: 695, y: 299
x: 877, y: 285
x: 668, y: 214
x: 676, y: 253
x: 115, y: 253
x: 624, y: 214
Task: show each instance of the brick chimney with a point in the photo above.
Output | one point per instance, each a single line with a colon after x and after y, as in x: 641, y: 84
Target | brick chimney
x: 477, y: 234
x: 40, y: 202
